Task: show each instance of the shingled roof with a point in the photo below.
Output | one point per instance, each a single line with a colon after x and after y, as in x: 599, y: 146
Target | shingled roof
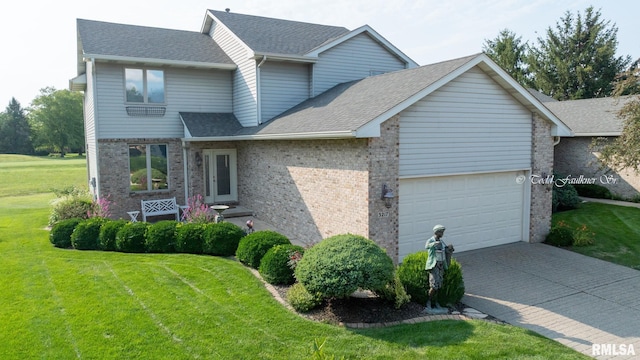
x: 276, y: 36
x: 356, y: 108
x: 591, y: 117
x: 104, y: 40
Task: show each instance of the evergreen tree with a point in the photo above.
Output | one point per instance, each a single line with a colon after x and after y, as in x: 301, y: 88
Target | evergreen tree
x: 15, y: 132
x: 508, y: 51
x: 577, y: 60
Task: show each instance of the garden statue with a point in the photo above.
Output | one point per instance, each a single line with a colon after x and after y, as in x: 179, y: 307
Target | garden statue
x: 438, y: 261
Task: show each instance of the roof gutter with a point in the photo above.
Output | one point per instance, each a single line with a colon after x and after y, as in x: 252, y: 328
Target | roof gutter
x: 152, y: 61
x: 293, y: 136
x: 282, y: 57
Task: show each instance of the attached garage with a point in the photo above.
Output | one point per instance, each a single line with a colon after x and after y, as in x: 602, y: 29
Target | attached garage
x: 479, y: 210
x: 465, y: 151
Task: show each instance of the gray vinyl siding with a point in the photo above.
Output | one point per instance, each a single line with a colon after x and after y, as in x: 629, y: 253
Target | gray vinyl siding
x: 90, y: 128
x: 187, y: 90
x: 353, y: 59
x: 282, y: 86
x: 245, y: 103
x: 469, y: 125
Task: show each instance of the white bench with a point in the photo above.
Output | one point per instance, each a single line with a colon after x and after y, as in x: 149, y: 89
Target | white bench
x: 160, y: 207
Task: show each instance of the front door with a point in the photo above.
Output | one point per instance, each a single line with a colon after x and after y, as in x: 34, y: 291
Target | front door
x: 220, y: 176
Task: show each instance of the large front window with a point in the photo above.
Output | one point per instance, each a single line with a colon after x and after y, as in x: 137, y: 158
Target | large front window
x: 148, y: 167
x: 144, y: 86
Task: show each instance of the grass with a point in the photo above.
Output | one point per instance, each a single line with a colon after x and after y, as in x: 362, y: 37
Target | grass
x: 25, y: 175
x: 617, y: 230
x: 64, y: 304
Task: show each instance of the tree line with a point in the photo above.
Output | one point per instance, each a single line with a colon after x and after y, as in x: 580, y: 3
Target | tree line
x: 577, y: 60
x: 53, y: 123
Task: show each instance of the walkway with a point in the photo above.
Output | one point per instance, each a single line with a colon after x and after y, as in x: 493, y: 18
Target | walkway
x: 585, y: 303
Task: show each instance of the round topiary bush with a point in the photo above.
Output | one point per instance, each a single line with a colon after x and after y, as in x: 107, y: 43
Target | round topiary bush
x: 86, y: 236
x: 252, y: 247
x: 301, y: 300
x: 108, y: 233
x: 342, y: 264
x: 130, y: 238
x: 189, y: 238
x: 161, y: 237
x: 414, y: 277
x: 452, y: 289
x: 274, y: 266
x: 60, y: 235
x: 560, y: 235
x: 221, y: 239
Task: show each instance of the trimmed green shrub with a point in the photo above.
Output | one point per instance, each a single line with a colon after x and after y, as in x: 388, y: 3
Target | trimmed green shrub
x: 86, y: 236
x: 161, y: 237
x: 452, y: 289
x: 60, y: 235
x: 108, y: 233
x: 274, y: 266
x: 130, y: 238
x: 221, y: 239
x: 560, y: 235
x: 301, y: 300
x: 254, y: 246
x: 394, y: 292
x: 70, y: 207
x: 564, y: 197
x: 414, y: 277
x: 593, y: 191
x: 342, y: 264
x: 189, y: 238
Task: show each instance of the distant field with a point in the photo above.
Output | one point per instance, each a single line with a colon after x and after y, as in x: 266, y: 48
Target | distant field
x: 28, y: 175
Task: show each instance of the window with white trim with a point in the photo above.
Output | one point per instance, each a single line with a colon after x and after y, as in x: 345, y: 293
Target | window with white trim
x: 144, y: 86
x: 148, y: 168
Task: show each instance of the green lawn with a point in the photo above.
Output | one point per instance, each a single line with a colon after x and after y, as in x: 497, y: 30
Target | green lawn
x: 64, y: 304
x: 617, y: 230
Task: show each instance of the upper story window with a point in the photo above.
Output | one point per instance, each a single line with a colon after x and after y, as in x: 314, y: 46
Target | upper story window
x: 144, y: 86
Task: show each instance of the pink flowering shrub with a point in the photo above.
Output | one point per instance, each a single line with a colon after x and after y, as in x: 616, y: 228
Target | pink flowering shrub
x: 197, y: 211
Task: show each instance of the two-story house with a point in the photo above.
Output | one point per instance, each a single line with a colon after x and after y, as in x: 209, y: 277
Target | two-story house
x: 317, y: 129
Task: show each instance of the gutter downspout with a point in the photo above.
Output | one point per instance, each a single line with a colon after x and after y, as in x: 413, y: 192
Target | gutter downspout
x: 556, y: 140
x: 258, y: 90
x: 186, y: 172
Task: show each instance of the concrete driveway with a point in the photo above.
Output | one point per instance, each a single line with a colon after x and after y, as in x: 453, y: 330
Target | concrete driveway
x: 587, y: 304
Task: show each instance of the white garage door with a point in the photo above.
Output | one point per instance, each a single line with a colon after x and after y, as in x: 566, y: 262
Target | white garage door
x: 478, y: 210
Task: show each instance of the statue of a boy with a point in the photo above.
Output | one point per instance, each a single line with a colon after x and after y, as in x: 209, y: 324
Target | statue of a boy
x: 437, y: 262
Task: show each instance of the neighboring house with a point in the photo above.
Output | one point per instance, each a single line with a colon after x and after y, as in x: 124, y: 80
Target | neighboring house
x: 309, y: 126
x: 590, y: 119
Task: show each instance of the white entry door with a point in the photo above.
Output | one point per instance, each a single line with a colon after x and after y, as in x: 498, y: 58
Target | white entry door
x: 220, y: 176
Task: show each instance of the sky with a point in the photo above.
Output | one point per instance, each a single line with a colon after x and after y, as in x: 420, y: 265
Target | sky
x: 39, y: 37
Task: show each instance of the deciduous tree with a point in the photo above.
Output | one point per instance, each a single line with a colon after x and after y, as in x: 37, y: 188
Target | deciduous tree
x: 56, y: 117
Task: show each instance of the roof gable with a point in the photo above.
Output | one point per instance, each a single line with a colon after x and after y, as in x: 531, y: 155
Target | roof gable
x: 275, y: 36
x: 374, y: 35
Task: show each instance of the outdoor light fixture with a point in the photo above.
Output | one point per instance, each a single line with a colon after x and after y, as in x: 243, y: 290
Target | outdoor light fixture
x: 387, y: 195
x: 198, y: 159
